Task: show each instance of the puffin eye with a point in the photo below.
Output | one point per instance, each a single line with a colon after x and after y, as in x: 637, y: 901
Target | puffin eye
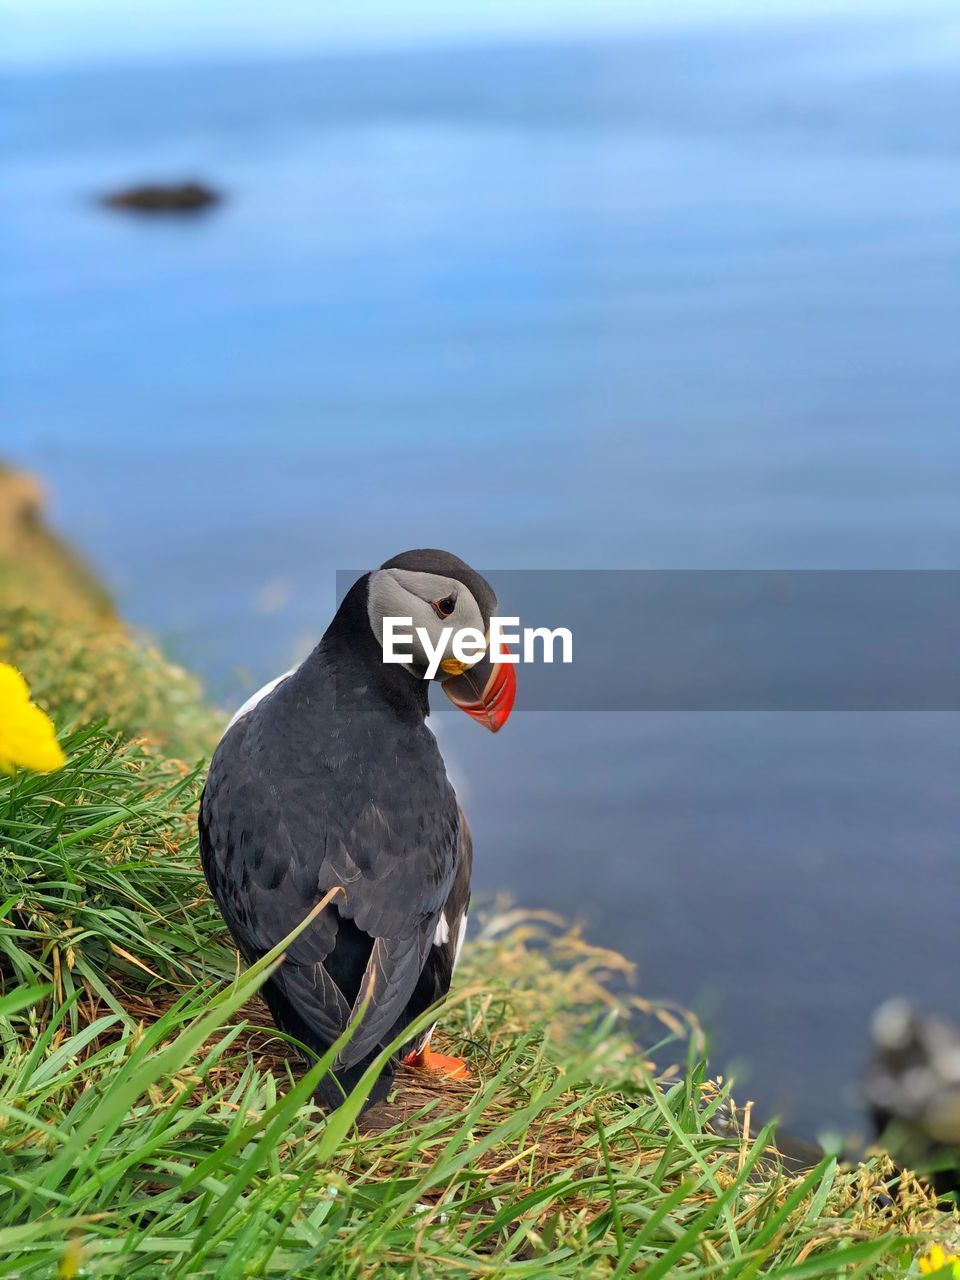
x: 443, y: 608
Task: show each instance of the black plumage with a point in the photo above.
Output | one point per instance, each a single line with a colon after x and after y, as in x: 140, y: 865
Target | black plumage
x: 333, y: 779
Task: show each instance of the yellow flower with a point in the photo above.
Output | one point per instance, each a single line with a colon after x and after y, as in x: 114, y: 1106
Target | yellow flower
x: 27, y: 735
x: 936, y: 1261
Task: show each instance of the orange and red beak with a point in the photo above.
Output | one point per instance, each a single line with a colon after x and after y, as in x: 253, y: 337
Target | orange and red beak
x: 485, y: 691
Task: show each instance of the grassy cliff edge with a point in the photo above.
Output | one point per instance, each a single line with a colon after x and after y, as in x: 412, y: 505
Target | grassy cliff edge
x: 153, y: 1123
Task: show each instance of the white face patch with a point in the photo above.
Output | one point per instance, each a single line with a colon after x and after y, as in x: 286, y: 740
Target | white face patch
x: 406, y: 593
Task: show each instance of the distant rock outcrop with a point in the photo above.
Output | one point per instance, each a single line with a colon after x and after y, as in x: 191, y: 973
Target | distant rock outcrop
x: 175, y: 197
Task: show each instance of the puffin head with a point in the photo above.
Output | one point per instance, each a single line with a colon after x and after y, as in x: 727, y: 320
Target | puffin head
x: 437, y: 590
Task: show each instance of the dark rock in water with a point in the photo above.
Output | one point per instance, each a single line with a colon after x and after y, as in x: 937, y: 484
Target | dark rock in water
x: 913, y: 1090
x: 177, y: 197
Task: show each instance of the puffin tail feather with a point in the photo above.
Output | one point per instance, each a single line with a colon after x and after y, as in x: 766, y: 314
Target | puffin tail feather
x: 341, y: 1081
x: 334, y: 1088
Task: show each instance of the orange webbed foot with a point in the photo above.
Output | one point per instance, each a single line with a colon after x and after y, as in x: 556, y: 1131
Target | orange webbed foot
x: 427, y: 1060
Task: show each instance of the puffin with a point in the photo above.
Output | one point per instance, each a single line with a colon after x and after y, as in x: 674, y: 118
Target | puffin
x: 912, y: 1090
x: 329, y: 779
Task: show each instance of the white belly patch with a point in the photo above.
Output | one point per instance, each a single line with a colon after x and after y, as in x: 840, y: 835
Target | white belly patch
x: 461, y: 938
x: 442, y: 932
x: 254, y: 698
x: 441, y: 935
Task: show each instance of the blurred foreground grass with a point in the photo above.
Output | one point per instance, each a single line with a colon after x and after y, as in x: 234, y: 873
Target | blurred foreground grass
x: 151, y: 1123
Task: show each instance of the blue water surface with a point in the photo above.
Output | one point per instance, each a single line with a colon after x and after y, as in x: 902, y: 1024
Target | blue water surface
x: 683, y: 300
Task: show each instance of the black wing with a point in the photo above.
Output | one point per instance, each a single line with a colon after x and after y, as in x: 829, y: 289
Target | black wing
x: 274, y: 842
x: 434, y: 981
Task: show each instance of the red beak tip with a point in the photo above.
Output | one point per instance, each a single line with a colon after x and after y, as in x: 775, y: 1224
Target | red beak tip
x: 493, y: 706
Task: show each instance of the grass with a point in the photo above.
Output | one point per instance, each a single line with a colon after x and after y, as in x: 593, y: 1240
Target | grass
x: 90, y: 672
x: 154, y: 1124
